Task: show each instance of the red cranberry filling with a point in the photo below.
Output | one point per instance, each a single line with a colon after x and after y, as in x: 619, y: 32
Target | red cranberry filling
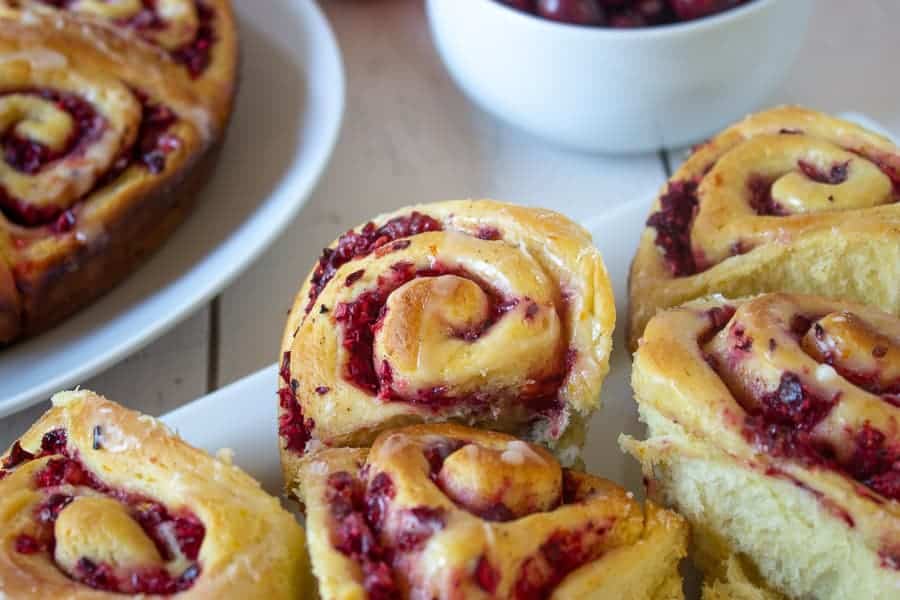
x: 623, y: 13
x: 356, y: 537
x: 561, y: 554
x: 195, y: 55
x: 836, y: 175
x: 486, y: 576
x: 678, y: 207
x: 292, y: 427
x: 28, y: 156
x: 164, y: 528
x: 354, y: 245
x: 781, y: 423
x: 152, y: 145
x: 760, y: 190
x: 417, y: 526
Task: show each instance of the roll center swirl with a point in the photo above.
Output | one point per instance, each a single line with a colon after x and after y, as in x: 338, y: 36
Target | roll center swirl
x: 501, y: 483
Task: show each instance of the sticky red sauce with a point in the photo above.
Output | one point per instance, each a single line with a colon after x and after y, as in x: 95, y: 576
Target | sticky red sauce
x: 162, y: 526
x: 294, y: 429
x: 561, y: 554
x: 154, y: 142
x: 356, y: 537
x: 353, y: 245
x: 678, y: 207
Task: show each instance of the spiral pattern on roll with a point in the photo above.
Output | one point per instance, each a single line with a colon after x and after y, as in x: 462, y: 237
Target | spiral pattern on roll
x: 786, y: 200
x: 444, y: 511
x: 792, y: 400
x: 473, y: 311
x: 96, y: 499
x: 98, y: 131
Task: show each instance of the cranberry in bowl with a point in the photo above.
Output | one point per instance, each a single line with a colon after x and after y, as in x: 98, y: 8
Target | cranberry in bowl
x: 619, y: 76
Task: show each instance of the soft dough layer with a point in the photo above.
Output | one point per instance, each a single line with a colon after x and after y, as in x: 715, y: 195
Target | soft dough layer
x: 97, y: 501
x: 473, y: 311
x: 773, y: 427
x: 449, y: 512
x: 787, y: 200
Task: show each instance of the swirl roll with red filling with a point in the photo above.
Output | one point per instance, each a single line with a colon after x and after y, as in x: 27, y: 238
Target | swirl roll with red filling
x: 447, y: 512
x: 773, y: 427
x: 106, y: 136
x: 787, y: 200
x: 97, y: 501
x: 485, y: 313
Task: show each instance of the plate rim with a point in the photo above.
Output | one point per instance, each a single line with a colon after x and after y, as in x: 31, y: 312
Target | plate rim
x: 323, y: 49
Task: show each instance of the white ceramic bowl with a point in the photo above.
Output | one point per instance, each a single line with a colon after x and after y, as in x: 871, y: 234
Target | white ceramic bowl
x: 618, y: 90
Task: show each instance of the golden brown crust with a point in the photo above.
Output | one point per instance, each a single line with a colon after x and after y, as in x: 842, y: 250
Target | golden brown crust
x: 110, y: 223
x: 789, y: 403
x: 250, y: 548
x: 503, y: 306
x: 468, y: 513
x: 787, y: 200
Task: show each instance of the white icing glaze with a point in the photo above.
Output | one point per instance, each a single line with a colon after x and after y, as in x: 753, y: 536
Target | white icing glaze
x: 38, y: 58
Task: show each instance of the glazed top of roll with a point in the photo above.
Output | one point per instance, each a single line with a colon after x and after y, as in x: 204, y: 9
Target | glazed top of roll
x: 797, y: 387
x: 742, y: 199
x: 197, y: 37
x: 471, y: 310
x: 445, y: 511
x: 97, y: 500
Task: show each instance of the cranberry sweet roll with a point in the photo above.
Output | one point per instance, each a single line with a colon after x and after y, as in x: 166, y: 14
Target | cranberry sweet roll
x: 773, y: 427
x: 97, y: 501
x: 103, y: 138
x: 788, y: 200
x: 475, y: 311
x: 447, y: 512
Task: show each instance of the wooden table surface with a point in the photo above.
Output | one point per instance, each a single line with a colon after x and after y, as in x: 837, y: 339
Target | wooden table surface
x: 410, y: 136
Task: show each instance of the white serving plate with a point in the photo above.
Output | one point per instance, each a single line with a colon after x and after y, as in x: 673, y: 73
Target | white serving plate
x: 243, y: 416
x: 284, y: 128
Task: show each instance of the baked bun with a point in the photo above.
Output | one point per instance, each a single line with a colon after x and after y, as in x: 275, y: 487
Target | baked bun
x: 485, y: 313
x: 773, y: 427
x: 107, y: 134
x: 787, y: 200
x: 97, y: 501
x: 443, y: 511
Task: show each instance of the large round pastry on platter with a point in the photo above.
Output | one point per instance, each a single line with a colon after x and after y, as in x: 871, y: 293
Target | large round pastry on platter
x: 774, y: 427
x: 110, y: 117
x: 787, y: 200
x: 97, y: 501
x: 479, y: 312
x: 447, y: 512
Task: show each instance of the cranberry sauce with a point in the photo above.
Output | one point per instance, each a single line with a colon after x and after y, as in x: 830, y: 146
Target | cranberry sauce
x: 356, y: 534
x: 195, y: 55
x: 354, y: 245
x: 780, y: 422
x: 678, y: 207
x: 172, y: 533
x: 759, y: 190
x: 30, y: 157
x: 561, y: 554
x: 292, y: 427
x: 359, y: 506
x: 152, y: 145
x: 623, y: 14
x: 836, y: 175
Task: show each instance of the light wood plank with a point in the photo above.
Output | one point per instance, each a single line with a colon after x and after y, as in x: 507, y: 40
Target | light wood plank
x: 409, y: 136
x: 166, y: 374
